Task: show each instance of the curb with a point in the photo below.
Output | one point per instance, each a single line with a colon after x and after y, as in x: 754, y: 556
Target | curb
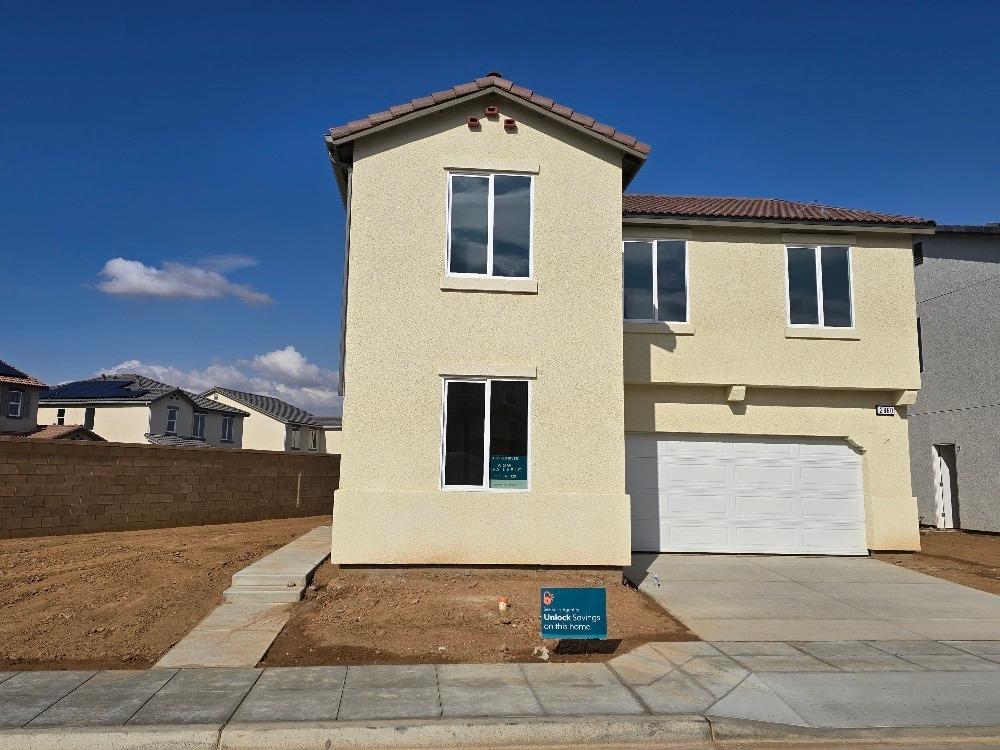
x: 683, y: 731
x: 686, y: 731
x: 189, y: 737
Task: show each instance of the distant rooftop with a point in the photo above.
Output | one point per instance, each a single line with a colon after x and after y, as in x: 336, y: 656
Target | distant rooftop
x: 125, y: 387
x: 334, y: 422
x: 268, y: 405
x: 10, y: 374
x: 992, y: 227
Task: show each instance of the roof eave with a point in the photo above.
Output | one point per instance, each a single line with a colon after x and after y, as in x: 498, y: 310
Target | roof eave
x: 675, y: 220
x: 636, y: 157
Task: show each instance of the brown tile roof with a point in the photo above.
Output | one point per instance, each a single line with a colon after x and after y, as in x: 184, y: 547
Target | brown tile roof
x: 10, y: 374
x: 356, y: 127
x: 51, y: 432
x: 757, y: 209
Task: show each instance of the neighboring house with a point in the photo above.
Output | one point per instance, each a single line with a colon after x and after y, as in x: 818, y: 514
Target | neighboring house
x: 955, y: 423
x: 503, y: 411
x: 128, y: 408
x: 332, y: 433
x: 56, y: 432
x: 276, y: 425
x: 18, y: 400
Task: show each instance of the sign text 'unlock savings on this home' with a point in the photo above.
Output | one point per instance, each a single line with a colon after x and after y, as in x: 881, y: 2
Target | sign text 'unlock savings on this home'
x: 574, y: 613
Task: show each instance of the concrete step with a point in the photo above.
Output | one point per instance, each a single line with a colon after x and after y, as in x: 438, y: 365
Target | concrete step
x: 262, y: 594
x: 274, y: 580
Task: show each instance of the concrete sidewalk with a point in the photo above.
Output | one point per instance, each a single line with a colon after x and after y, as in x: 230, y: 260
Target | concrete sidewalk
x: 799, y: 686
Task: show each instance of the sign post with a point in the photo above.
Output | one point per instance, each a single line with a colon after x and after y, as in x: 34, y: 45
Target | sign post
x: 574, y: 613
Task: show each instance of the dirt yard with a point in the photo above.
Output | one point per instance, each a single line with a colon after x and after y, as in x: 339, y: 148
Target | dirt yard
x: 961, y: 557
x: 409, y: 615
x: 121, y: 599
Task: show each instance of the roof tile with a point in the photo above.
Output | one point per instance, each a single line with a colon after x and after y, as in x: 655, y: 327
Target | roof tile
x: 758, y: 209
x: 603, y: 129
x: 443, y: 96
x: 421, y: 102
x: 465, y: 88
x: 401, y: 109
x: 542, y: 101
x: 520, y: 91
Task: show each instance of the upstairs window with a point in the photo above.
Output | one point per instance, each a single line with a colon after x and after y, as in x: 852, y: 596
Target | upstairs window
x: 198, y: 426
x: 654, y: 276
x: 819, y: 286
x: 14, y: 400
x: 60, y: 416
x: 171, y: 420
x: 313, y: 440
x: 485, y: 441
x: 918, y: 253
x: 489, y: 225
x: 227, y: 429
x: 293, y: 440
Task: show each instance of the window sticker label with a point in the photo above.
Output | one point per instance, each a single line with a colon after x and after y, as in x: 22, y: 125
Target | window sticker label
x: 509, y: 472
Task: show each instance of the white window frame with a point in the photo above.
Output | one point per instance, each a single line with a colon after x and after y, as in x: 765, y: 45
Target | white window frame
x: 227, y: 430
x: 313, y: 439
x: 489, y: 225
x: 198, y: 418
x: 293, y: 440
x: 172, y: 412
x: 485, y: 487
x: 817, y: 260
x: 656, y: 295
x: 15, y: 407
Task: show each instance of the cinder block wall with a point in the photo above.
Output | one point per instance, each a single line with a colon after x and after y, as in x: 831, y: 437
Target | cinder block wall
x: 74, y: 487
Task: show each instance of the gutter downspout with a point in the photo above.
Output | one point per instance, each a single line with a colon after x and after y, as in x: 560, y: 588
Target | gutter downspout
x: 347, y: 255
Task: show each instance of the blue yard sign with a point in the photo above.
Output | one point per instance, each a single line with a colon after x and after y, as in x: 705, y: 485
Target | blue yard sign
x: 574, y: 613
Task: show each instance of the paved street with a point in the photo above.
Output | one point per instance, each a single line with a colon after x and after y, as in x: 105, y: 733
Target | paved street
x: 762, y: 598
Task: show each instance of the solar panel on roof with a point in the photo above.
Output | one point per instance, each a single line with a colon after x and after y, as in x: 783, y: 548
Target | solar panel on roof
x: 11, y: 372
x: 97, y: 389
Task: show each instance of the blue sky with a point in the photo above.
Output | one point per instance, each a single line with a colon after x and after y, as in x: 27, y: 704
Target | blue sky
x: 186, y: 140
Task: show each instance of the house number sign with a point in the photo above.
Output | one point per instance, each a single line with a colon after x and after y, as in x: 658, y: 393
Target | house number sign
x: 885, y: 411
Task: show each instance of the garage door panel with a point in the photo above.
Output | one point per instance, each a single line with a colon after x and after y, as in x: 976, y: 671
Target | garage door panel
x: 764, y: 505
x: 744, y: 494
x: 777, y: 476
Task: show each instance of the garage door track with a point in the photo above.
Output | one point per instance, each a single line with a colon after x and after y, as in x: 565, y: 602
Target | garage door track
x: 772, y: 598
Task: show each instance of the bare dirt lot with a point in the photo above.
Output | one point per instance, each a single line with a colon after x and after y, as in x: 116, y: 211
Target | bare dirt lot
x: 437, y: 615
x: 961, y: 557
x: 121, y: 599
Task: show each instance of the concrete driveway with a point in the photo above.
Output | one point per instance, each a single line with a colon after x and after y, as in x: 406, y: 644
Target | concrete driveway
x: 757, y: 598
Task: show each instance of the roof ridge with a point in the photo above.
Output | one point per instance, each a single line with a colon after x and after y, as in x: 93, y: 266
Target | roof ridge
x: 506, y: 86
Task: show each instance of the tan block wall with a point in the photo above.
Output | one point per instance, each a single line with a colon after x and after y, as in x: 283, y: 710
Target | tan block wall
x: 890, y: 508
x: 403, y: 329
x: 69, y: 487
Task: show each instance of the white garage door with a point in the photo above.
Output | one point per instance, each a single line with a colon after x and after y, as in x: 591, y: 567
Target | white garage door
x: 716, y: 493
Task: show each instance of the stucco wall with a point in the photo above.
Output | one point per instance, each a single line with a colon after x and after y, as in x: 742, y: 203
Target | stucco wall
x: 260, y: 432
x: 958, y: 302
x: 890, y: 508
x: 331, y: 441
x: 29, y: 409
x: 738, y: 310
x: 403, y: 330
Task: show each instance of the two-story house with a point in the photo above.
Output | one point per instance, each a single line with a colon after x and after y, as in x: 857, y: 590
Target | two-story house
x: 129, y: 408
x: 955, y: 423
x: 276, y: 425
x: 539, y: 370
x: 18, y: 400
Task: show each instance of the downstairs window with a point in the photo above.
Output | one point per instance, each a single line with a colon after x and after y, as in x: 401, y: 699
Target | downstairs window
x: 485, y: 441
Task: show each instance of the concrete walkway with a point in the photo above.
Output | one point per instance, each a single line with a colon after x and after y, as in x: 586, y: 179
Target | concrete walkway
x: 240, y: 631
x: 811, y: 685
x: 765, y: 598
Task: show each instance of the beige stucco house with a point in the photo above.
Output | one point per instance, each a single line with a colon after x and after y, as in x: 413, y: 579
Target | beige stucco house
x: 128, y: 408
x: 276, y: 425
x: 18, y: 400
x: 538, y: 369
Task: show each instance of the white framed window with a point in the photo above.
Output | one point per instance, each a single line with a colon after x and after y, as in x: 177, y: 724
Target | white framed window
x: 198, y: 426
x: 485, y: 434
x: 490, y: 220
x: 655, y: 281
x: 819, y: 286
x: 60, y: 416
x: 293, y: 440
x: 313, y: 440
x: 15, y: 399
x: 227, y: 429
x: 171, y: 420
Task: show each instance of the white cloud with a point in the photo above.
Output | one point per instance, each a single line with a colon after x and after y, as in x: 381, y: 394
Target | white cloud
x: 283, y: 373
x: 132, y: 278
x: 226, y: 262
